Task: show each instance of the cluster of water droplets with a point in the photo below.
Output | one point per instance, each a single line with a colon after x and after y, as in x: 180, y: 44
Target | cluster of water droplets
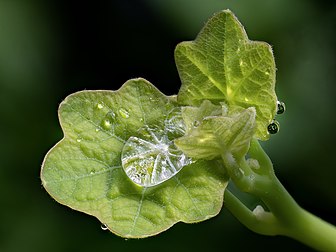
x: 274, y: 126
x: 152, y: 158
x: 109, y: 120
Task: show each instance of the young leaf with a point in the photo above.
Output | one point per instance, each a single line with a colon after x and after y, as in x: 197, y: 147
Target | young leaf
x: 223, y: 65
x: 218, y: 135
x: 84, y: 170
x: 193, y: 116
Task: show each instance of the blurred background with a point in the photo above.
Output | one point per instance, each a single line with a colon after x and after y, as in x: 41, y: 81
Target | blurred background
x: 50, y: 49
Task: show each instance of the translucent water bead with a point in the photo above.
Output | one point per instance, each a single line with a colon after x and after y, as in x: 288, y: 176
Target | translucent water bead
x: 152, y: 158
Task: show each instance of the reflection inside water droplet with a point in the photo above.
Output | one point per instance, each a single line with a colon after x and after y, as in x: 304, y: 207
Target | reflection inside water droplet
x: 174, y: 124
x: 152, y: 158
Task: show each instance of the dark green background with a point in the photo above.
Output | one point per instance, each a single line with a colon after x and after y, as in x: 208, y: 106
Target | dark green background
x: 50, y: 49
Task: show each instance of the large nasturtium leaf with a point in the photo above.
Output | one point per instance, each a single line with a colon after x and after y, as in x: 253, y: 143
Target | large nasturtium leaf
x: 222, y: 64
x: 84, y: 170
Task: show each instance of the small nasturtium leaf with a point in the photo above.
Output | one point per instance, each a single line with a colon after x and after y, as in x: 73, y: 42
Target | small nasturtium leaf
x: 218, y: 135
x: 193, y: 116
x: 223, y: 65
x: 84, y: 170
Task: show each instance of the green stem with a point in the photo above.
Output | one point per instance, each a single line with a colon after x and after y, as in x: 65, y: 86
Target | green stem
x: 285, y: 216
x: 313, y: 232
x: 262, y: 223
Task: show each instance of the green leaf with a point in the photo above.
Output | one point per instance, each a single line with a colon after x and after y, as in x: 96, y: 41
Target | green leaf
x: 223, y: 65
x: 218, y: 135
x: 84, y: 170
x: 193, y: 116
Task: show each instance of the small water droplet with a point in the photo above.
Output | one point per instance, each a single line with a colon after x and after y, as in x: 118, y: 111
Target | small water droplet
x: 281, y: 107
x: 97, y: 129
x: 267, y: 73
x: 241, y: 63
x: 100, y: 106
x: 92, y: 172
x: 196, y: 123
x: 274, y: 127
x: 107, y: 124
x: 124, y: 113
x: 174, y: 124
x: 79, y: 140
x: 103, y: 227
x: 110, y: 115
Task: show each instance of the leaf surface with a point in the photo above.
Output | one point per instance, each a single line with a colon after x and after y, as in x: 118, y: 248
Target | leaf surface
x: 84, y: 170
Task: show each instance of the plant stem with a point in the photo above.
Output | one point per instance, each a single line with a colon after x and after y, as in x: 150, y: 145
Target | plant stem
x: 265, y: 224
x: 313, y: 232
x: 285, y: 216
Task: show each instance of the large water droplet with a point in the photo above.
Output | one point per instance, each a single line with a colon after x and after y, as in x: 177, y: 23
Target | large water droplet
x: 281, y: 107
x: 124, y: 113
x: 174, y: 124
x: 274, y: 127
x: 152, y: 158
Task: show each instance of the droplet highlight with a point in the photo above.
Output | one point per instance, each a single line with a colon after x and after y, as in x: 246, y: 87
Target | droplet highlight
x: 100, y: 106
x: 124, y: 113
x: 107, y: 124
x: 152, y: 158
x: 103, y: 227
x: 274, y: 127
x: 281, y: 107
